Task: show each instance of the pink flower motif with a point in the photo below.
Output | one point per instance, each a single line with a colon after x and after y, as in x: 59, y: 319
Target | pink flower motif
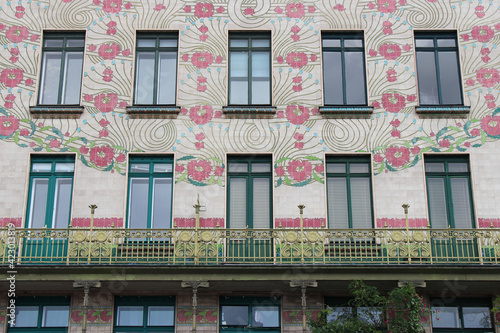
x: 314, y: 111
x: 179, y: 168
x: 29, y: 82
x: 202, y: 79
x: 314, y: 57
x: 387, y: 31
x: 299, y: 170
x: 372, y: 53
x: 200, y: 136
x: 103, y: 133
x: 185, y: 57
x: 297, y: 114
x: 491, y: 105
x: 295, y: 38
x: 488, y: 77
x: 111, y: 31
x: 112, y: 6
x: 295, y: 29
x: 92, y: 47
x: 13, y: 59
x: 297, y: 88
x: 108, y: 75
x: 467, y: 144
x: 199, y: 170
x: 299, y: 145
x: 159, y: 7
x: 126, y: 52
x: 280, y: 60
x: 88, y: 98
x: 390, y: 51
x: 219, y: 171
x: 311, y: 9
x: 218, y: 114
x: 415, y: 150
x: 378, y: 158
x: 489, y: 97
x: 203, y: 29
x: 295, y: 10
x: 470, y: 82
x: 298, y: 136
x: 485, y: 50
x: 393, y: 102
x: 280, y: 171
x: 34, y: 37
x: 296, y: 60
x: 370, y: 5
x: 103, y: 122
x: 106, y: 103
x: 203, y: 38
x: 486, y: 59
x: 101, y: 156
x: 8, y: 125
x: 391, y: 75
x: 201, y: 88
x: 465, y: 37
x: 199, y: 145
x: 19, y: 11
x: 17, y: 34
x: 218, y: 60
x: 96, y: 2
x: 120, y: 158
x: 249, y: 11
x: 395, y: 123
x: 397, y: 156
x: 54, y: 143
x: 122, y: 104
x: 84, y: 150
x: 475, y: 132
x: 411, y: 98
x: 184, y: 111
x: 202, y: 60
x: 278, y: 10
x: 187, y: 9
x: 480, y: 11
x: 497, y: 27
x: 396, y: 134
x: 201, y: 114
x: 281, y: 114
x: 444, y: 143
x: 109, y: 51
x: 376, y: 104
x: 111, y: 24
x: 483, y: 33
x: 203, y: 9
x: 386, y: 6
x: 221, y: 10
x: 491, y: 125
x: 319, y: 168
x: 24, y: 132
x: 402, y: 2
x: 407, y: 47
x: 128, y: 5
x: 11, y: 77
x: 339, y: 7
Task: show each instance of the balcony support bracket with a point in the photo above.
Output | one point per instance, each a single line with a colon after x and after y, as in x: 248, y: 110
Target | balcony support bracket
x: 303, y: 287
x: 194, y: 285
x: 86, y: 285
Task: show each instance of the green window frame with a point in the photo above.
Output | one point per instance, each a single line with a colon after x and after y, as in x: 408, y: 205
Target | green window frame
x: 250, y: 314
x: 150, y: 189
x: 144, y: 314
x: 462, y: 315
x: 62, y: 68
x: 249, y: 192
x: 50, y: 191
x: 250, y: 69
x: 41, y: 314
x: 344, y: 71
x: 449, y: 191
x: 438, y: 69
x: 349, y: 188
x: 156, y: 68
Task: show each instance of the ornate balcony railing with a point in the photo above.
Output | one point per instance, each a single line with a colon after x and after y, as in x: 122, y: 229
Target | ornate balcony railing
x: 217, y: 246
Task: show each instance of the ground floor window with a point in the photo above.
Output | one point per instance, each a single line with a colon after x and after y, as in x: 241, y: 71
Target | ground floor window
x: 144, y: 314
x: 462, y: 315
x: 41, y: 314
x: 250, y: 314
x: 340, y: 306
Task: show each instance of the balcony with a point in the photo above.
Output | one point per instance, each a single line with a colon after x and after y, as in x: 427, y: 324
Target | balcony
x: 218, y: 246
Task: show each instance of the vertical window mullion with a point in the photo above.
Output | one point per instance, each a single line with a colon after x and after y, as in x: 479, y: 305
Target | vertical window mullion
x: 61, y: 74
x: 250, y: 78
x: 156, y: 74
x: 249, y: 203
x: 438, y: 75
x: 349, y: 197
x: 344, y: 81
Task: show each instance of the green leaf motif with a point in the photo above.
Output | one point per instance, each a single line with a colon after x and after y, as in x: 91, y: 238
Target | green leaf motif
x: 302, y: 183
x: 279, y: 182
x: 181, y: 178
x: 441, y: 132
x: 196, y: 183
x: 287, y: 180
x: 318, y: 179
x: 2, y: 110
x: 313, y: 158
x: 57, y: 132
x: 110, y: 167
x: 215, y: 159
x: 495, y: 112
x: 84, y: 161
x: 283, y: 159
x: 185, y: 158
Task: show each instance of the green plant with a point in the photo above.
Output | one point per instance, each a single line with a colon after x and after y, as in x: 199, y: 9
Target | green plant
x: 405, y: 309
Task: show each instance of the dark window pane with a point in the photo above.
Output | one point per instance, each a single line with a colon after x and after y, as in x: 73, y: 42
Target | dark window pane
x: 458, y: 167
x: 461, y: 202
x: 338, y: 216
x: 434, y: 167
x: 51, y: 72
x: 234, y: 315
x: 146, y: 42
x: 168, y: 42
x: 476, y: 317
x: 353, y: 43
x: 160, y: 316
x: 450, y: 78
x: 336, y: 168
x: 55, y: 316
x: 238, y: 43
x: 331, y: 42
x: 26, y: 316
x: 144, y: 80
x: 138, y: 207
x: 445, y: 317
x: 427, y: 79
x: 75, y: 43
x: 355, y: 78
x: 53, y: 43
x: 359, y: 168
x: 449, y: 42
x: 261, y: 43
x: 332, y: 77
x: 437, y: 202
x: 167, y: 77
x: 265, y: 316
x: 424, y: 42
x: 130, y: 316
x: 73, y: 67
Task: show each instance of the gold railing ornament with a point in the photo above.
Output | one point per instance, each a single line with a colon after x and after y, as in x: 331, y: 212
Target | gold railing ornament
x: 408, y: 237
x: 301, y: 211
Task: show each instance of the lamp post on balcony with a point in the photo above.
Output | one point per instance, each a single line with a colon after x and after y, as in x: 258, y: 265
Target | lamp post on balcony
x: 301, y: 210
x: 405, y: 207
x: 92, y: 207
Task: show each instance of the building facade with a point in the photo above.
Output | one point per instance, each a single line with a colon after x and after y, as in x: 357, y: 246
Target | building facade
x: 233, y: 165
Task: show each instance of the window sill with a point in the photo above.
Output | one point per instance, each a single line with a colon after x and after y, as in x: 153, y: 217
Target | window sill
x: 249, y: 112
x: 442, y: 111
x: 153, y: 111
x: 347, y: 112
x: 57, y: 111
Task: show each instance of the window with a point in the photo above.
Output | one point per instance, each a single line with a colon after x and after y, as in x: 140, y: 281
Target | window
x: 62, y: 68
x: 349, y: 192
x: 41, y: 314
x: 249, y: 69
x: 253, y: 314
x: 156, y: 69
x: 341, y: 306
x: 150, y: 192
x: 344, y: 81
x: 462, y: 315
x: 250, y: 181
x: 438, y: 68
x: 50, y: 191
x: 449, y: 191
x: 144, y: 314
